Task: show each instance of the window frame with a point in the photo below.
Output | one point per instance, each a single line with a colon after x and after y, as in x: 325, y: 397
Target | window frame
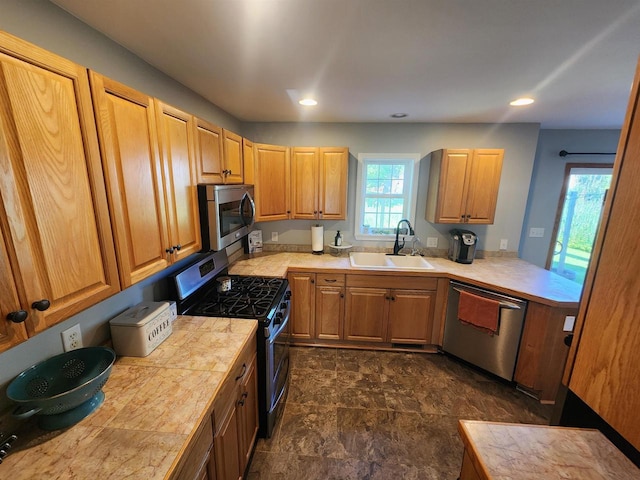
x: 411, y: 160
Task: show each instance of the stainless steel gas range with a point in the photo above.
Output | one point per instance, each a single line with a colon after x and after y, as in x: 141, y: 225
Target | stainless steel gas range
x: 204, y: 288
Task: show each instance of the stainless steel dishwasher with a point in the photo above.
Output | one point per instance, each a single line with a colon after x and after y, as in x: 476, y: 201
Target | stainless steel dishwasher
x: 495, y: 353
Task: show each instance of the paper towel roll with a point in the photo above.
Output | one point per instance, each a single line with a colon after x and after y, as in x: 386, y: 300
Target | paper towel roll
x: 317, y: 239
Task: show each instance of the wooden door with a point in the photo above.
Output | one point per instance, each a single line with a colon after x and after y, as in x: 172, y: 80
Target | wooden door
x: 411, y: 316
x: 303, y: 291
x: 272, y: 182
x: 248, y: 415
x: 248, y: 163
x: 304, y: 183
x: 452, y: 185
x: 484, y: 182
x: 209, y: 154
x: 11, y: 333
x: 178, y: 160
x: 329, y: 312
x: 225, y: 445
x: 131, y: 161
x: 607, y: 336
x: 332, y: 178
x: 367, y: 313
x: 57, y: 218
x: 232, y: 148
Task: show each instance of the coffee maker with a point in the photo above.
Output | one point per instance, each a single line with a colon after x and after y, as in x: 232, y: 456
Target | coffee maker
x: 462, y: 245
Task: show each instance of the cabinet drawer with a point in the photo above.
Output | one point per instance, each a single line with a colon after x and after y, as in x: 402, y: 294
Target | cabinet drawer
x: 385, y: 281
x: 330, y: 279
x: 228, y: 388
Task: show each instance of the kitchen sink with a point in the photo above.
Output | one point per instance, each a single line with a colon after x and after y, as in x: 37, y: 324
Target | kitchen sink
x: 376, y: 260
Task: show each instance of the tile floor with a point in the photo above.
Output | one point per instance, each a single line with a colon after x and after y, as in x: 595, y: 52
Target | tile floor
x: 357, y: 414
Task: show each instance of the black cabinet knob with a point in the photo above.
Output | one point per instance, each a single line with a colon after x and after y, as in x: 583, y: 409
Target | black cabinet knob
x: 169, y: 250
x: 177, y: 247
x: 41, y: 305
x: 18, y: 316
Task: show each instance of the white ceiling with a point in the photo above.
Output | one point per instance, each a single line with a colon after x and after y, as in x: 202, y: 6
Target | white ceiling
x: 436, y: 60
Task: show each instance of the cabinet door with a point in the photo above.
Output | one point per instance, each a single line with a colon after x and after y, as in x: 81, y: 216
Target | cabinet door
x: 11, y: 333
x: 303, y: 305
x: 131, y: 161
x: 177, y: 152
x: 411, y: 316
x: 53, y: 196
x: 451, y: 186
x: 225, y: 444
x: 232, y: 148
x: 332, y: 189
x: 483, y: 184
x: 209, y: 152
x: 272, y: 182
x: 367, y: 312
x: 329, y: 312
x: 304, y: 183
x: 248, y: 163
x: 247, y: 414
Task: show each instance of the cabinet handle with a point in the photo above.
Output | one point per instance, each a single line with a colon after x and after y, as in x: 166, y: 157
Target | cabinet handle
x: 244, y: 370
x: 243, y: 399
x: 320, y: 212
x: 393, y: 299
x: 315, y: 212
x: 313, y: 281
x: 177, y: 247
x: 18, y: 316
x: 342, y: 295
x: 330, y: 280
x: 169, y: 250
x: 41, y: 305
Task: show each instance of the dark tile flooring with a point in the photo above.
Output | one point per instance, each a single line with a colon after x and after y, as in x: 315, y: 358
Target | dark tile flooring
x: 357, y: 414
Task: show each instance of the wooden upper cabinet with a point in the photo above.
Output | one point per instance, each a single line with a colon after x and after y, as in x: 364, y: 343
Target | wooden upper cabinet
x: 178, y: 158
x: 606, y: 346
x: 248, y: 164
x: 272, y: 182
x: 463, y: 185
x: 209, y: 154
x: 11, y: 333
x: 54, y: 213
x: 232, y: 148
x: 304, y: 184
x: 319, y: 182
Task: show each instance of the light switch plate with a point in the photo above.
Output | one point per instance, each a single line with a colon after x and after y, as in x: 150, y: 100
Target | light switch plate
x: 274, y: 236
x: 536, y: 232
x: 432, y: 242
x: 569, y: 322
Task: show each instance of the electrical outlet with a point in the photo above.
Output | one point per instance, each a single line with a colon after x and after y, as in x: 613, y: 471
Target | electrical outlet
x: 503, y: 243
x: 274, y: 236
x: 432, y: 242
x: 536, y: 232
x: 72, y: 338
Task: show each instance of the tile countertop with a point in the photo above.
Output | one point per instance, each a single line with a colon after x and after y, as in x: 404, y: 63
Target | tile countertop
x: 511, y: 276
x: 153, y: 406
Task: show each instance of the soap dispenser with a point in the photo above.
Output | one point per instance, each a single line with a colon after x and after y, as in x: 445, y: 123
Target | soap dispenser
x: 338, y: 239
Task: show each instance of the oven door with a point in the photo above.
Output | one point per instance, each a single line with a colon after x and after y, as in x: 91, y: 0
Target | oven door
x: 227, y: 213
x: 277, y: 366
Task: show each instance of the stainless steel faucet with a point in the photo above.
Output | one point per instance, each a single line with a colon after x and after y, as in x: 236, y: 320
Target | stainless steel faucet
x: 396, y: 246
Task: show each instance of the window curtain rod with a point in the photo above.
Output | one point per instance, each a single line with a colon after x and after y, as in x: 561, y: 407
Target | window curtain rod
x: 564, y: 153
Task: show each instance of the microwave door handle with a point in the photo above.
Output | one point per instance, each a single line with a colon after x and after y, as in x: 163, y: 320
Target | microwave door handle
x: 247, y: 197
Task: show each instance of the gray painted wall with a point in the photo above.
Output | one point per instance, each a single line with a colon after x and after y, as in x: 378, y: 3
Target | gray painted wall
x: 548, y: 175
x: 518, y: 140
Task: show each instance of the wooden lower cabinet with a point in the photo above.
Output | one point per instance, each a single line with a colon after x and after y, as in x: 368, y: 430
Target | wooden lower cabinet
x: 235, y: 417
x: 543, y: 353
x: 198, y: 464
x: 377, y: 312
x: 303, y: 294
x: 329, y: 312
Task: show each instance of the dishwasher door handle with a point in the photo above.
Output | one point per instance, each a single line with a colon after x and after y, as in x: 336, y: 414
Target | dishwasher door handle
x: 507, y: 305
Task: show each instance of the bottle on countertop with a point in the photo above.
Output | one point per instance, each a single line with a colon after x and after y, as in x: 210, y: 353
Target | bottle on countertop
x: 338, y: 239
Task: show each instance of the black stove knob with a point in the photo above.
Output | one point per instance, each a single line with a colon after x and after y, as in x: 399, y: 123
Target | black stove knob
x: 283, y: 306
x: 278, y: 318
x: 287, y: 295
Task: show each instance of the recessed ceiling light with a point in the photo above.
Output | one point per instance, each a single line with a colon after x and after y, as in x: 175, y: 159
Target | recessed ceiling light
x: 308, y: 102
x: 519, y: 102
x: 398, y: 115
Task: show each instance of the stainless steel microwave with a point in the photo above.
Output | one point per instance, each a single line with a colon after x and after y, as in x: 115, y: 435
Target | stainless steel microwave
x: 227, y: 214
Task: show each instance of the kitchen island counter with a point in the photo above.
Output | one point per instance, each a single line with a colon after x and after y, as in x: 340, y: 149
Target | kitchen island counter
x: 153, y: 407
x: 511, y: 276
